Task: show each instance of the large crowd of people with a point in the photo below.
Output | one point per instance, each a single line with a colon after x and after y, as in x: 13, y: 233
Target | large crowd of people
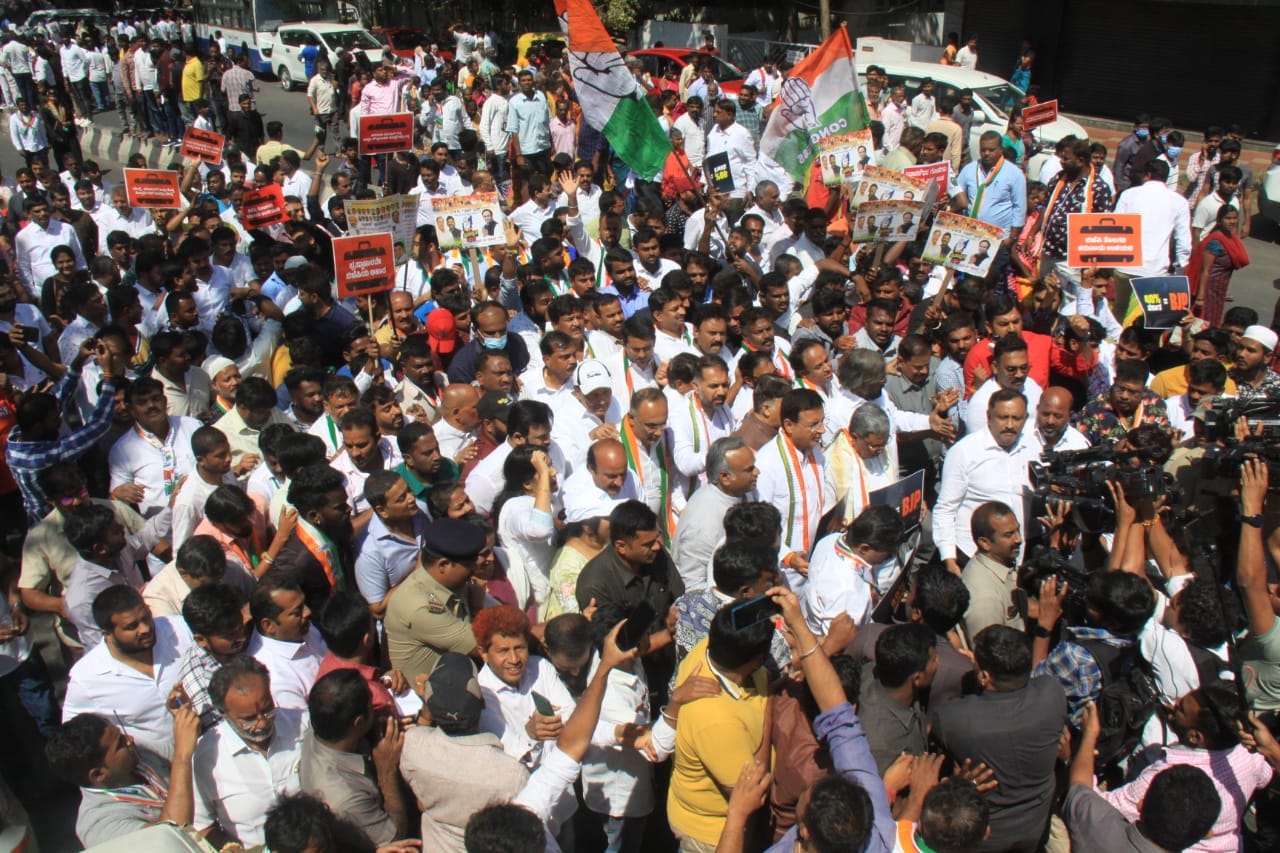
x: 600, y: 538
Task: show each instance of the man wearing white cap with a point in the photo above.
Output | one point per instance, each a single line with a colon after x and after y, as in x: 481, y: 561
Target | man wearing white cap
x: 1253, y: 375
x: 605, y: 479
x: 588, y: 416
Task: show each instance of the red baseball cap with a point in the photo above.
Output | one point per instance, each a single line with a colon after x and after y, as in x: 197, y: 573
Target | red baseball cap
x: 443, y: 331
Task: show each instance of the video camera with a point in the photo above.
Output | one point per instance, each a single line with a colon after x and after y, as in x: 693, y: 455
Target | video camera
x: 1219, y: 423
x: 1080, y: 477
x: 1044, y: 563
x: 1223, y: 462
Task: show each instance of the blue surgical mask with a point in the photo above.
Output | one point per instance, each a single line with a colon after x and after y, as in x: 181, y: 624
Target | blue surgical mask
x: 1164, y: 137
x: 1142, y: 133
x: 1173, y: 151
x: 494, y: 343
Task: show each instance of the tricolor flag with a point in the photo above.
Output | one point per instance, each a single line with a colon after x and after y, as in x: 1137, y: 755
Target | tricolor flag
x: 820, y: 97
x: 612, y: 100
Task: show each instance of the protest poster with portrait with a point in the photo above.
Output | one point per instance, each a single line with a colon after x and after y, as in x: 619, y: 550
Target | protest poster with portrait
x: 467, y: 221
x: 962, y: 244
x: 886, y: 221
x: 880, y: 184
x: 396, y: 215
x: 843, y: 156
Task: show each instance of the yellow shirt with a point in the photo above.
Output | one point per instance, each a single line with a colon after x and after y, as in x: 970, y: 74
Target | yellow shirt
x: 1173, y: 382
x: 193, y: 79
x: 715, y: 738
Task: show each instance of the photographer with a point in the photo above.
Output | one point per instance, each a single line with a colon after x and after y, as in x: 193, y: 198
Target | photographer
x: 1206, y: 377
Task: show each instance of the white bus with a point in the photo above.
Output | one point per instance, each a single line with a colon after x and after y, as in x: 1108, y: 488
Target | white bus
x: 251, y: 25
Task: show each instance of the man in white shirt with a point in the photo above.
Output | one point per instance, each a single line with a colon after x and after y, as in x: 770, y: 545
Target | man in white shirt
x: 923, y: 106
x: 445, y: 117
x: 250, y: 759
x: 1206, y: 212
x: 284, y: 640
x: 1166, y: 222
x: 604, y: 481
x: 493, y: 126
x: 459, y: 419
x: 967, y: 56
x: 1052, y: 430
x: 852, y: 569
x: 75, y: 67
x: 768, y: 207
x: 728, y: 137
x: 296, y: 182
x: 767, y: 79
x: 122, y: 216
x: 651, y: 267
x: 1010, y: 369
x: 702, y: 418
x: 634, y: 366
x: 990, y: 465
x: 36, y: 241
x: 791, y: 479
x: 156, y: 453
x: 690, y: 124
x: 528, y: 422
x: 588, y: 415
x: 540, y: 207
x: 894, y: 117
x: 132, y: 670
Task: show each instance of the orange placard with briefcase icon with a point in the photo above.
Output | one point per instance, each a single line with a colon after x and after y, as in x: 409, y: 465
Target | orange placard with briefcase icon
x: 152, y: 188
x: 364, y: 264
x: 1104, y: 239
x: 384, y: 134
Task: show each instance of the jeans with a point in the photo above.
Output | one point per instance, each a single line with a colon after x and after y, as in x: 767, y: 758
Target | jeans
x: 625, y: 834
x: 101, y: 95
x: 27, y: 88
x: 35, y: 692
x: 219, y: 104
x: 155, y: 113
x: 174, y: 126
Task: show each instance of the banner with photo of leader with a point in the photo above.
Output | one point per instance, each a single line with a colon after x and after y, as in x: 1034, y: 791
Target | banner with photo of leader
x: 385, y: 134
x: 886, y: 221
x: 1165, y: 299
x: 363, y: 264
x: 396, y: 215
x: 1105, y: 239
x: 153, y: 188
x: 962, y: 244
x: 263, y: 207
x: 467, y: 221
x: 843, y: 156
x: 880, y: 184
x: 203, y: 145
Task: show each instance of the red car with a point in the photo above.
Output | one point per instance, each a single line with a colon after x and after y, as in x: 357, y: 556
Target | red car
x: 401, y: 40
x: 658, y: 59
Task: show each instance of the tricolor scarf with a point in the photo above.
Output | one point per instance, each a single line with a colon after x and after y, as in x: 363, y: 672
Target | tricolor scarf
x: 152, y: 791
x: 635, y: 461
x: 325, y: 552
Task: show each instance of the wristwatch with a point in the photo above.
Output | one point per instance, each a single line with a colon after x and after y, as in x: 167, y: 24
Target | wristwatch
x: 1252, y: 520
x: 1041, y: 631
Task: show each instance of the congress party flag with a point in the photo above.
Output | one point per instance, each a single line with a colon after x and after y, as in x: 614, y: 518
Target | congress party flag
x: 820, y: 98
x: 612, y: 101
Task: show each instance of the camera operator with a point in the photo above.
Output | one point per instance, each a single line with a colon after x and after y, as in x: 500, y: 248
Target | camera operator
x: 1129, y: 403
x: 1197, y: 488
x: 1206, y: 377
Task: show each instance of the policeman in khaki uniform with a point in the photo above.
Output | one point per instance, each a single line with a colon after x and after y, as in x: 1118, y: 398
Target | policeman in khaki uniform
x: 430, y: 612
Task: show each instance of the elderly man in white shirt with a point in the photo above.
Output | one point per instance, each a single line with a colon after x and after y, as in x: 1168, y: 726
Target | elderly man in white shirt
x: 990, y: 465
x: 605, y: 479
x: 132, y: 671
x: 731, y: 479
x: 1052, y: 430
x: 1166, y: 222
x: 250, y: 759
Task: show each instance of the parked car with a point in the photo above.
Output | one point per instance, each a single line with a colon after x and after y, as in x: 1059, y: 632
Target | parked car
x: 284, y: 54
x: 401, y: 40
x: 551, y: 42
x: 658, y: 59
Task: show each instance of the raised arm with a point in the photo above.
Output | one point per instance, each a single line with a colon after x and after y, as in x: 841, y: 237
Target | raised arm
x: 1251, y: 570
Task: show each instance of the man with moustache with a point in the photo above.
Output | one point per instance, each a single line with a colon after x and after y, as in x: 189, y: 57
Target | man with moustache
x: 988, y: 465
x: 318, y: 555
x: 605, y: 479
x: 992, y: 575
x: 731, y: 479
x: 704, y: 419
x: 459, y: 420
x: 215, y: 615
x: 1053, y: 430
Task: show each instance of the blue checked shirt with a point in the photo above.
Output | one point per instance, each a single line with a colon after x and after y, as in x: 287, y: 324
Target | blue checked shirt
x: 1076, y: 670
x: 28, y: 458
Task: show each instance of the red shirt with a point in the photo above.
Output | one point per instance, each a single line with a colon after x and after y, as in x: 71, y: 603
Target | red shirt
x: 382, y: 699
x: 1043, y: 355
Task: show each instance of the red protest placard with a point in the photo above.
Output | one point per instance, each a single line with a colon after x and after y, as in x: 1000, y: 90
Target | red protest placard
x: 386, y: 134
x: 1040, y: 114
x: 1105, y: 239
x: 263, y: 207
x: 152, y: 188
x: 364, y: 264
x: 203, y: 145
x: 939, y: 173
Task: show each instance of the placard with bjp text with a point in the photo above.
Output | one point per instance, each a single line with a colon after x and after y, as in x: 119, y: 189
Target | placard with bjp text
x: 1038, y: 115
x: 880, y: 184
x: 385, y: 134
x: 263, y: 207
x: 364, y: 264
x: 203, y: 145
x: 1104, y: 239
x: 152, y: 188
x: 906, y: 496
x: 963, y: 244
x: 1165, y: 299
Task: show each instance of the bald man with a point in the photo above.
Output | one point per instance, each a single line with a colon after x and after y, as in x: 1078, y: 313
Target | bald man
x: 402, y: 323
x: 458, y: 422
x: 1052, y: 429
x: 606, y: 478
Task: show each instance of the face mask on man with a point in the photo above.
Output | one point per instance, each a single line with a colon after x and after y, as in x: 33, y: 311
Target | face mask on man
x: 1173, y: 151
x: 1142, y: 133
x: 495, y: 343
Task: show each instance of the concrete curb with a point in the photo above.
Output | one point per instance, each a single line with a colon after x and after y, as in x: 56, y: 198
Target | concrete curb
x: 104, y: 143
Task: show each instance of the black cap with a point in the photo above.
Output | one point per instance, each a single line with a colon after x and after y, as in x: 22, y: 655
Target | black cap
x: 562, y: 160
x: 453, y: 693
x: 454, y: 538
x: 495, y: 405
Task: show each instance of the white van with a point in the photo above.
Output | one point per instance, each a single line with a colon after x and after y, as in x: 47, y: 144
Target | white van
x: 993, y: 97
x: 290, y: 39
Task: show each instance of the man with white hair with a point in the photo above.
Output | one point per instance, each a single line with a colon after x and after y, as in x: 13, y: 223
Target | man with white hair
x: 731, y: 479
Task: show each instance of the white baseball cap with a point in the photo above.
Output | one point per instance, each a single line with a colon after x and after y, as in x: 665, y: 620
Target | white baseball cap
x: 592, y: 375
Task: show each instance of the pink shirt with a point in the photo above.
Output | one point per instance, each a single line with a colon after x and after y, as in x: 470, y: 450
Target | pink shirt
x: 562, y: 137
x: 382, y: 699
x: 382, y: 98
x: 1236, y: 773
